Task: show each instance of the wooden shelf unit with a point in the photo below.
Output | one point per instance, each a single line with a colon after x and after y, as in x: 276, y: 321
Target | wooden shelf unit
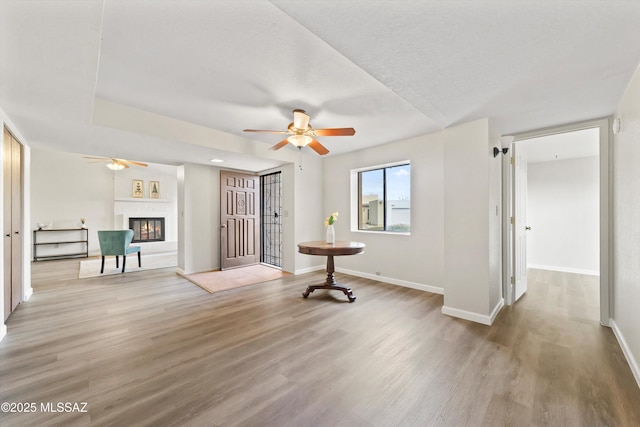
x: 82, y: 242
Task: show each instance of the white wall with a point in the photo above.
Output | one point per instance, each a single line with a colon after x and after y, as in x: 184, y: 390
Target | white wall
x: 199, y: 219
x: 66, y: 187
x: 626, y: 240
x: 414, y: 260
x: 563, y: 213
x: 472, y: 245
x: 496, y: 300
x: 308, y: 212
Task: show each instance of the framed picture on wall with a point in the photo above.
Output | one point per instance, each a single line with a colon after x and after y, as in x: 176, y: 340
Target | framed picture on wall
x: 138, y: 188
x: 154, y: 189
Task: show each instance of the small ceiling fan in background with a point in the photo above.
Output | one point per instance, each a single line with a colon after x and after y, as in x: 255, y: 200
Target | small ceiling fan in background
x: 302, y: 134
x: 115, y: 164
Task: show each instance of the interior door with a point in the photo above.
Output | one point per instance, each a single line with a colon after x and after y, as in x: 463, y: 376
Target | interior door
x: 519, y: 222
x: 240, y: 219
x: 12, y: 225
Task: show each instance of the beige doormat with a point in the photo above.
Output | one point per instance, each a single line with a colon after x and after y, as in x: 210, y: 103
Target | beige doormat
x: 222, y: 280
x: 91, y: 268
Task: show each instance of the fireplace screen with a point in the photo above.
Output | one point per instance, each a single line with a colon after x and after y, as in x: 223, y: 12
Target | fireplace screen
x: 147, y: 229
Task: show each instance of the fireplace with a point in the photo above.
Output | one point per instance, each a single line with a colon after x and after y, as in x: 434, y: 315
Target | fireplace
x: 147, y: 229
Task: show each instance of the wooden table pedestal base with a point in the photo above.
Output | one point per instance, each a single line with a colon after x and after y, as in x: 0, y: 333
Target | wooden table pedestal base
x: 337, y: 248
x: 330, y: 283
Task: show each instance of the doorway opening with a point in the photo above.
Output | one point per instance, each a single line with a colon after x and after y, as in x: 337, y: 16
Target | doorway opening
x: 270, y: 218
x: 565, y: 217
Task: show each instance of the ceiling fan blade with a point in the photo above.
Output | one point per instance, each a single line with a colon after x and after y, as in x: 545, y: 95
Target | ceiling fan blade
x: 300, y: 119
x: 318, y: 148
x: 280, y: 144
x: 335, y: 132
x: 131, y: 162
x: 265, y: 131
x: 99, y: 159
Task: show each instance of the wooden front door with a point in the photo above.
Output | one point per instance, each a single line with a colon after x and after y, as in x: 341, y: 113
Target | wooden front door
x: 240, y: 219
x: 12, y: 193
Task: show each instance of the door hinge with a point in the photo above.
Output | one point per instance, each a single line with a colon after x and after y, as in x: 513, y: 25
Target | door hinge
x: 513, y: 220
x: 513, y: 160
x: 513, y: 280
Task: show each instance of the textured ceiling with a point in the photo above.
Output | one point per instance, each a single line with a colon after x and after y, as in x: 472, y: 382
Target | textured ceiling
x: 177, y: 81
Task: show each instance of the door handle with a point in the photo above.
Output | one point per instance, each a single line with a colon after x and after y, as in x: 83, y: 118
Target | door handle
x: 8, y: 235
x: 527, y: 228
x: 17, y: 232
x: 223, y: 225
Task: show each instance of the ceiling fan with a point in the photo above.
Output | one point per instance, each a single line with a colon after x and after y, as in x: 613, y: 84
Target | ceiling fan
x: 302, y: 134
x: 115, y: 164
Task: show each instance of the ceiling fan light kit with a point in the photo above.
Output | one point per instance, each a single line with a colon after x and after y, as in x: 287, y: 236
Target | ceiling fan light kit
x: 302, y: 134
x: 115, y: 166
x: 300, y: 140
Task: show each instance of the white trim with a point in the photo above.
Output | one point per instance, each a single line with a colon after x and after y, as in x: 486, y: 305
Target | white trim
x: 394, y: 233
x: 466, y: 315
x: 474, y: 317
x: 564, y: 269
x: 633, y: 363
x: 392, y: 281
x: 309, y: 269
x: 382, y: 166
x: 3, y: 331
x: 496, y: 310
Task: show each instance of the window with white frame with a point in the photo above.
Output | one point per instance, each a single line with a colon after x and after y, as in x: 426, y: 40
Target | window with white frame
x: 384, y: 198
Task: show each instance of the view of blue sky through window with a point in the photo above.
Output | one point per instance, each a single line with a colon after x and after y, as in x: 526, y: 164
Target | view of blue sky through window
x: 398, y: 182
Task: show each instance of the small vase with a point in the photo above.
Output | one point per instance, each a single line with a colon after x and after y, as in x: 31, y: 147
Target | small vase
x: 331, y: 234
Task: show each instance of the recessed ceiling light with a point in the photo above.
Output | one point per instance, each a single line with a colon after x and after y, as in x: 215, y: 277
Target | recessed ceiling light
x: 216, y: 160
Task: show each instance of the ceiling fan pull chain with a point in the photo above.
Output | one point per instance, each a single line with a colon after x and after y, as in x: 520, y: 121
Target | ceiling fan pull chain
x: 300, y: 161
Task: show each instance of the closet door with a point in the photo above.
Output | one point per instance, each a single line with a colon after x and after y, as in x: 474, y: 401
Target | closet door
x: 12, y: 170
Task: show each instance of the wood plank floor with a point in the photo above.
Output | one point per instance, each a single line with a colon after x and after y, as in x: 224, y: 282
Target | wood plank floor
x: 152, y: 349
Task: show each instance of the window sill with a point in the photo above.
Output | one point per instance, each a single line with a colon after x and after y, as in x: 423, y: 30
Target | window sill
x: 393, y: 233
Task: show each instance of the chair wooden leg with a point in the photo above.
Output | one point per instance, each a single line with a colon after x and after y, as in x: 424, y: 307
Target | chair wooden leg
x: 139, y: 259
x: 117, y: 261
x: 124, y: 261
x: 102, y: 267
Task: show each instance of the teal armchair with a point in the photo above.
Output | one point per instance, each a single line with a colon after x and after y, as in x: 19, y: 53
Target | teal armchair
x: 117, y: 242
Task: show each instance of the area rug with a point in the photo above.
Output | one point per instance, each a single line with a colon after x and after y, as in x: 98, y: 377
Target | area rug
x: 221, y: 280
x: 91, y: 268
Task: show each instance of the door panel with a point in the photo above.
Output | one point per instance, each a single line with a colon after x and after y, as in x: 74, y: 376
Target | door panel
x: 519, y: 211
x: 6, y: 230
x: 12, y: 224
x: 16, y: 223
x: 240, y: 225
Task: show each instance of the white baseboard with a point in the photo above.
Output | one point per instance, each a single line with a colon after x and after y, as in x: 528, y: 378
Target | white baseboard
x: 392, y: 281
x: 631, y: 360
x: 27, y: 293
x: 474, y: 317
x: 3, y: 331
x: 564, y: 269
x: 310, y: 269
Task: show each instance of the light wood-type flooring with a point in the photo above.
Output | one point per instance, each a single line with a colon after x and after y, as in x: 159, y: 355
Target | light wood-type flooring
x: 152, y: 349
